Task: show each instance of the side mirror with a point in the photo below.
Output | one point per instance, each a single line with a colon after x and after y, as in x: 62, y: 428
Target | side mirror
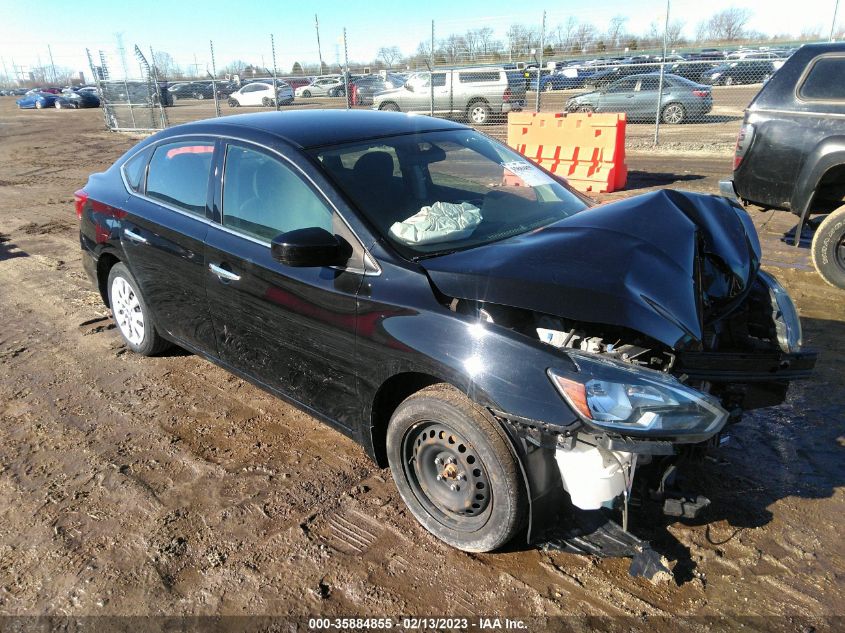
x: 310, y: 247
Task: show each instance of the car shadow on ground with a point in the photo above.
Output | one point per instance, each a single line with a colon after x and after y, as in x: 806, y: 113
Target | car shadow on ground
x: 9, y: 250
x: 647, y: 179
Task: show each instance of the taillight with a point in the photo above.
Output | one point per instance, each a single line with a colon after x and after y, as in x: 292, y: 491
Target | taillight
x: 743, y: 142
x: 506, y: 97
x: 701, y: 93
x: 80, y: 198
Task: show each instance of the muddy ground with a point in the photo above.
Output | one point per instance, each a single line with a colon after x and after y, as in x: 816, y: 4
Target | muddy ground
x: 133, y: 486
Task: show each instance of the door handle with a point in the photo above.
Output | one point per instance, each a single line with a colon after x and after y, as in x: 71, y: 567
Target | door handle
x: 222, y: 273
x: 135, y: 237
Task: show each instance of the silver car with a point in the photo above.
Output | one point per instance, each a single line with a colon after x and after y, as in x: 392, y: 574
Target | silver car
x: 474, y: 93
x: 682, y: 100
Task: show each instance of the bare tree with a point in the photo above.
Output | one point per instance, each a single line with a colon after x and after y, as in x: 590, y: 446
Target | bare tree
x: 562, y: 34
x: 486, y: 43
x: 165, y: 65
x: 616, y: 31
x: 675, y: 33
x: 453, y: 47
x: 471, y: 38
x: 725, y: 26
x: 236, y: 67
x: 583, y: 36
x: 389, y: 55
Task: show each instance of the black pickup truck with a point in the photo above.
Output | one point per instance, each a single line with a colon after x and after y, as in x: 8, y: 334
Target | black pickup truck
x: 790, y: 152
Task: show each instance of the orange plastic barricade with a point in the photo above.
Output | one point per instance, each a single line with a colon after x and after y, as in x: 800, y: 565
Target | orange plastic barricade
x: 587, y: 149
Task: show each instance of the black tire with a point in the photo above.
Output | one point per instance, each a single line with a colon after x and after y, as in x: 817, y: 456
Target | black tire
x: 200, y: 96
x: 389, y: 107
x: 828, y: 249
x: 306, y: 93
x: 479, y: 113
x: 585, y: 108
x: 728, y: 81
x: 266, y: 102
x: 548, y: 87
x: 233, y: 103
x: 673, y: 114
x: 152, y: 342
x: 479, y: 503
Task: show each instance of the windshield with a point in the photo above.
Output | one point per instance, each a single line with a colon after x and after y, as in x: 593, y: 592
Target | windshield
x: 437, y: 192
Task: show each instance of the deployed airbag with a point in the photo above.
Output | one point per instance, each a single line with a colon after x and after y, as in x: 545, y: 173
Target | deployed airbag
x: 440, y: 222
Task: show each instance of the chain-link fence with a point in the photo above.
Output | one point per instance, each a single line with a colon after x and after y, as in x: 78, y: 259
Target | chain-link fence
x: 673, y: 88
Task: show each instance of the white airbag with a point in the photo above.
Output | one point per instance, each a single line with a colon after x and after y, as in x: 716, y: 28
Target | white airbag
x: 440, y: 222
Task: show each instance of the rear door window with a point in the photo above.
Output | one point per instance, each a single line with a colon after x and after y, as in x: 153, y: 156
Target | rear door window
x: 825, y: 80
x: 178, y: 174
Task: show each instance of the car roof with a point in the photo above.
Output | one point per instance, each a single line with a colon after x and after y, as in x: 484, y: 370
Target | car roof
x: 313, y: 128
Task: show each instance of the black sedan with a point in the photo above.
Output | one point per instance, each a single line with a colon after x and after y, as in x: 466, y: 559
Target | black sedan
x: 511, y: 351
x: 740, y: 72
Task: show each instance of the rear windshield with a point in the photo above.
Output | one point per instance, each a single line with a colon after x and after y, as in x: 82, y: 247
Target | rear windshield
x: 437, y: 192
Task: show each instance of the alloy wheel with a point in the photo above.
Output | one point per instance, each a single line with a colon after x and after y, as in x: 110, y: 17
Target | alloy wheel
x: 127, y: 310
x: 673, y: 113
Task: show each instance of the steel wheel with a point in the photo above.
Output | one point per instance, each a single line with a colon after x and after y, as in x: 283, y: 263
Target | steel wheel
x: 446, y: 475
x: 127, y: 311
x: 729, y: 80
x: 233, y: 103
x: 455, y: 470
x: 479, y: 113
x: 673, y: 113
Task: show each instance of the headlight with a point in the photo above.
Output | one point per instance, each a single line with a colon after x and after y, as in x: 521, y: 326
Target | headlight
x: 784, y: 314
x: 615, y: 396
x: 716, y: 75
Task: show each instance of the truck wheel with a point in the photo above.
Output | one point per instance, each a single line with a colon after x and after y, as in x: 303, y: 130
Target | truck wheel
x: 455, y: 470
x: 828, y: 249
x: 479, y: 113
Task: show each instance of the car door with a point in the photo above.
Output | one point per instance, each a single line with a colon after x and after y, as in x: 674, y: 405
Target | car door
x: 644, y: 103
x: 618, y: 97
x: 250, y: 95
x: 291, y: 329
x: 163, y: 237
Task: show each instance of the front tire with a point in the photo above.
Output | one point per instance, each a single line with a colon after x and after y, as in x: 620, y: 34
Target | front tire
x: 389, y: 107
x: 306, y: 93
x: 548, y: 87
x: 39, y: 105
x: 455, y: 470
x: 233, y: 103
x: 200, y: 96
x: 828, y: 249
x: 131, y: 315
x: 58, y: 105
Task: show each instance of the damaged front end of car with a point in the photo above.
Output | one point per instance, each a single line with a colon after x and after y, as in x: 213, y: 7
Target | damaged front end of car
x: 669, y: 331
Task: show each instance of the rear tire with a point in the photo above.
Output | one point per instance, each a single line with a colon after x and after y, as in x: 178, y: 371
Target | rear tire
x: 200, y: 96
x: 729, y: 81
x: 266, y: 102
x: 58, y: 105
x: 131, y: 315
x: 548, y: 87
x: 479, y: 113
x: 233, y: 103
x: 306, y: 93
x: 455, y: 470
x: 38, y: 105
x: 828, y: 249
x: 673, y: 114
x: 389, y: 107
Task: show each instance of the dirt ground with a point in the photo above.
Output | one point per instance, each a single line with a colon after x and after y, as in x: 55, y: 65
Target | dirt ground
x: 166, y: 486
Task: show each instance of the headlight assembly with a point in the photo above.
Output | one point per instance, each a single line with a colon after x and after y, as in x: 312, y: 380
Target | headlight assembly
x: 614, y: 396
x: 784, y: 314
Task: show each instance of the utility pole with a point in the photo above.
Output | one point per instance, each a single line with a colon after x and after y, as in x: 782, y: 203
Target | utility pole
x: 833, y: 23
x: 346, y: 64
x: 319, y: 50
x: 275, y: 81
x: 5, y: 72
x: 662, y: 73
x: 52, y: 65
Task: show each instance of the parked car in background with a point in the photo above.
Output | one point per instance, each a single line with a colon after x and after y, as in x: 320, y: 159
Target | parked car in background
x: 37, y: 100
x: 363, y: 89
x: 192, y: 90
x: 297, y: 82
x: 682, y: 100
x: 602, y: 78
x: 691, y: 70
x: 74, y: 99
x: 739, y: 72
x: 261, y: 94
x: 531, y: 358
x: 477, y: 94
x: 319, y: 87
x: 136, y: 92
x: 565, y: 79
x: 790, y: 154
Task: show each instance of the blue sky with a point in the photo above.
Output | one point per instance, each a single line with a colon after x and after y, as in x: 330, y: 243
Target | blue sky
x: 242, y: 29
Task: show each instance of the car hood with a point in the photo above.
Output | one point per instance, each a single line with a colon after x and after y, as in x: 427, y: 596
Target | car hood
x: 662, y: 264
